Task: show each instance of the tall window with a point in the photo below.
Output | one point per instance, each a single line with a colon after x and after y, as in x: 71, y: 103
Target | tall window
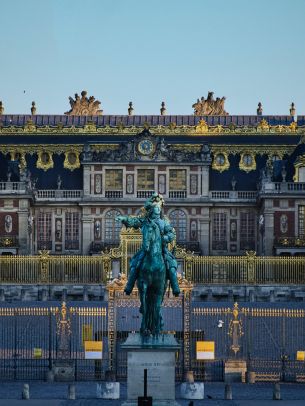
x: 247, y: 230
x: 44, y: 231
x: 72, y: 231
x: 112, y: 227
x: 178, y: 220
x: 177, y: 179
x: 114, y: 179
x: 219, y: 238
x: 146, y: 179
x: 301, y: 221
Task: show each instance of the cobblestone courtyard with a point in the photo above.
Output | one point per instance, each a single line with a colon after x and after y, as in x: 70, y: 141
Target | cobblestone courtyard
x: 55, y: 394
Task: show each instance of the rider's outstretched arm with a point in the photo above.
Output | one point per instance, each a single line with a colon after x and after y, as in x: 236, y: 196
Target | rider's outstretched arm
x: 128, y: 221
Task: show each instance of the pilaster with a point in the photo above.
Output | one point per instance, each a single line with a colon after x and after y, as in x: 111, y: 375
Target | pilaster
x: 205, y: 181
x: 23, y: 235
x: 204, y: 232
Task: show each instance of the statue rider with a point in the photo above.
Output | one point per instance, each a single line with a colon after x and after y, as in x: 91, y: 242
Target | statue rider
x: 154, y: 216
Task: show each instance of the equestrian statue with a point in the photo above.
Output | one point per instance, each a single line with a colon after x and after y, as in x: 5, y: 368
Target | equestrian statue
x: 154, y: 265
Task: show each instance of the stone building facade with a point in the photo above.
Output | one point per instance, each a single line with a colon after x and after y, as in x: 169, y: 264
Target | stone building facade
x: 231, y: 183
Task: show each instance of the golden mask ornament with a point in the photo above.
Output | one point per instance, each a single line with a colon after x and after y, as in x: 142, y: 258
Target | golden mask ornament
x: 45, y: 160
x: 71, y: 161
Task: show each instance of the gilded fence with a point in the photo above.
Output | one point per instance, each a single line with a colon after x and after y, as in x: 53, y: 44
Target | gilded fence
x: 30, y: 340
x: 52, y: 269
x: 248, y: 269
x: 266, y: 338
x: 81, y: 269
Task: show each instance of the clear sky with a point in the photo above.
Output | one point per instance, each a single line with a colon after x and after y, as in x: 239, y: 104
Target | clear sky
x: 147, y: 51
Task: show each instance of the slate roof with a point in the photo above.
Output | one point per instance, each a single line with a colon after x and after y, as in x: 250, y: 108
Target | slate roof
x: 136, y: 120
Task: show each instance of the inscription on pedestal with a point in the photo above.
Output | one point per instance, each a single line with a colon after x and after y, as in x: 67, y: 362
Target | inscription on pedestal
x: 160, y: 367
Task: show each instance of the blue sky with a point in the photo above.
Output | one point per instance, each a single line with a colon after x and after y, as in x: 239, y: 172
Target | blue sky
x: 147, y: 51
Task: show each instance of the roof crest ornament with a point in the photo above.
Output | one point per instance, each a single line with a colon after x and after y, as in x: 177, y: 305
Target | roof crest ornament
x: 210, y: 106
x: 84, y: 106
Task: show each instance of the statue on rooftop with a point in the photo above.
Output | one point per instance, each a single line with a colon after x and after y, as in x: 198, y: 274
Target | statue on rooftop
x: 210, y: 106
x: 154, y: 264
x: 84, y: 106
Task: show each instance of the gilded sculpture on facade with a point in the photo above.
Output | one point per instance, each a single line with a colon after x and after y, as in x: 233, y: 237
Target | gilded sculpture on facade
x: 210, y: 106
x: 84, y: 106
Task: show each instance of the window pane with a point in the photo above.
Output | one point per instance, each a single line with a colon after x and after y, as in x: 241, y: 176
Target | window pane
x: 178, y: 221
x: 112, y: 227
x: 72, y: 231
x: 177, y: 179
x: 114, y: 179
x: 301, y: 221
x: 44, y: 231
x: 219, y: 239
x: 146, y: 179
x: 247, y: 230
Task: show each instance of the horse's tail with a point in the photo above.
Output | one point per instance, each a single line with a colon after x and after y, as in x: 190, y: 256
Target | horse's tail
x: 154, y: 319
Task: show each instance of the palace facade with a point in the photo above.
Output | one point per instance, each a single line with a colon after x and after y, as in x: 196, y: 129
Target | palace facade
x: 231, y: 183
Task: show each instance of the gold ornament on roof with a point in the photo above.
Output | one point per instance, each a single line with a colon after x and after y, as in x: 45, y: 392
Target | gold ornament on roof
x: 201, y: 127
x: 293, y: 126
x: 84, y: 106
x: 210, y: 106
x: 263, y: 125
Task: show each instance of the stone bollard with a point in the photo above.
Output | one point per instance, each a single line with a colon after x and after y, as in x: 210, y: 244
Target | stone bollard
x: 277, y: 391
x: 64, y: 295
x: 44, y: 295
x: 85, y: 295
x: 228, y: 392
x: 50, y: 376
x: 22, y: 295
x: 2, y: 295
x: 26, y: 391
x: 230, y: 296
x: 71, y: 392
x: 251, y: 376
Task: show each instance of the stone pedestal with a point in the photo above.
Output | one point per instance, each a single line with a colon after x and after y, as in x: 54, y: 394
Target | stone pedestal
x: 235, y: 370
x: 157, y: 355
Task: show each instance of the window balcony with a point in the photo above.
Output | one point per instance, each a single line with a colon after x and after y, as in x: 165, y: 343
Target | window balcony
x: 177, y: 194
x: 57, y: 194
x: 71, y: 244
x: 114, y: 194
x: 290, y: 242
x: 12, y: 187
x: 233, y: 195
x: 44, y: 245
x: 291, y: 187
x: 144, y: 194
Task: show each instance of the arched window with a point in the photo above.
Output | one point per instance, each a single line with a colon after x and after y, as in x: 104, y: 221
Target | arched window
x: 178, y: 221
x: 112, y: 227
